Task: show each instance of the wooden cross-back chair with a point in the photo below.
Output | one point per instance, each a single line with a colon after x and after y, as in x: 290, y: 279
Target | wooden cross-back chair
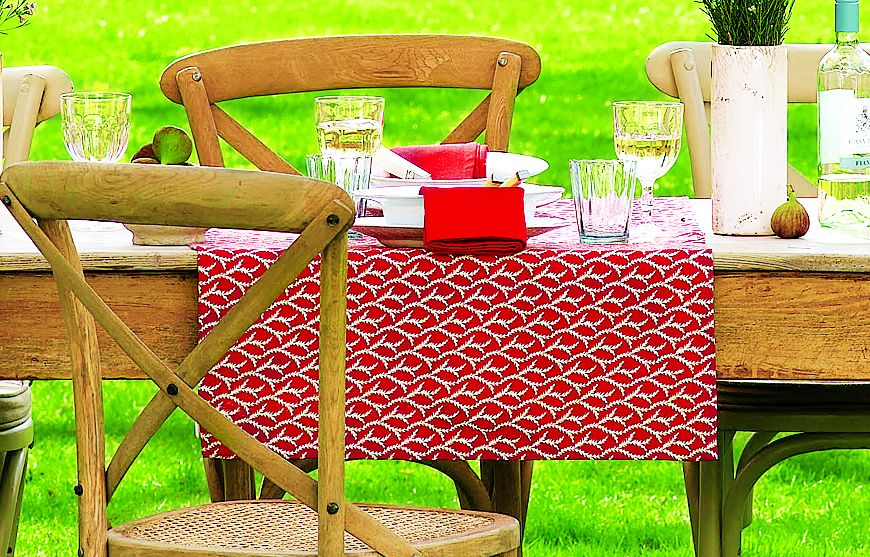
x: 204, y: 197
x: 30, y: 95
x: 683, y: 70
x: 828, y: 415
x: 201, y: 81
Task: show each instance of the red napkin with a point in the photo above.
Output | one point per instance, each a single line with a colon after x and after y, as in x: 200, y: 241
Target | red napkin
x: 473, y: 220
x: 452, y: 161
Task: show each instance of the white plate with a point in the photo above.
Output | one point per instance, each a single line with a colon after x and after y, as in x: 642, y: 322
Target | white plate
x: 403, y: 206
x: 500, y: 165
x: 394, y: 236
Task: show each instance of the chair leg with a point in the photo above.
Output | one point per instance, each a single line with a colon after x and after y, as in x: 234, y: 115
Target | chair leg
x: 13, y: 535
x: 507, y: 491
x: 692, y: 481
x: 12, y: 470
x: 711, y: 476
x: 486, y: 474
x: 214, y: 477
x: 271, y: 490
x: 526, y: 469
x: 238, y: 480
x: 470, y: 489
x: 758, y: 441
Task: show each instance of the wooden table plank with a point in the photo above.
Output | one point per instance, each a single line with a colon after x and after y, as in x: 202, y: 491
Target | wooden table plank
x: 109, y: 247
x: 781, y: 311
x: 768, y: 325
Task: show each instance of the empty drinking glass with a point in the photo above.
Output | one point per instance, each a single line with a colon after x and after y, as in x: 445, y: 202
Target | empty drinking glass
x: 96, y: 126
x: 349, y: 173
x: 603, y: 191
x: 349, y: 126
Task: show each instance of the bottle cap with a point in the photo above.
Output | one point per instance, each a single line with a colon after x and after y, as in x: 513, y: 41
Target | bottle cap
x: 846, y: 16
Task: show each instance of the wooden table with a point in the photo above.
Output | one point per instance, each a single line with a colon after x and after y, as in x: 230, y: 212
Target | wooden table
x: 785, y: 309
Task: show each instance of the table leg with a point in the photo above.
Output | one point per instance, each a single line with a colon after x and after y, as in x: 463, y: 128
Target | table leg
x: 238, y: 480
x: 507, y: 492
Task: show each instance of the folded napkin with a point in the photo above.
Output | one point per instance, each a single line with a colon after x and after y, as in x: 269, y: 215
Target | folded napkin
x: 452, y: 161
x: 473, y: 220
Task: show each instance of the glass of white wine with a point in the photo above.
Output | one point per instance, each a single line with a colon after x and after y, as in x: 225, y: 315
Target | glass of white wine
x: 648, y: 133
x: 96, y: 126
x: 349, y: 126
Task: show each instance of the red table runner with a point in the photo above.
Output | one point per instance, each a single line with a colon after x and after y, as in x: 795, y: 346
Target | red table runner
x: 562, y: 351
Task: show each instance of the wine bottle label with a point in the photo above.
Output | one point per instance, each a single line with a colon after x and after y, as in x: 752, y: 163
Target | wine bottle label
x: 844, y: 129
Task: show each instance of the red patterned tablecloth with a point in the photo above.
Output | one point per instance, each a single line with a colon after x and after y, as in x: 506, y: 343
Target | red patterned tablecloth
x: 562, y: 351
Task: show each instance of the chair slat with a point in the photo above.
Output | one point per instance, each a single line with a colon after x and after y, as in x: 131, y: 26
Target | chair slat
x: 171, y: 195
x: 505, y: 84
x: 360, y: 61
x: 202, y: 124
x: 248, y: 145
x: 56, y: 80
x: 686, y: 76
x: 297, y: 65
x: 803, y: 63
x: 472, y: 125
x: 27, y: 107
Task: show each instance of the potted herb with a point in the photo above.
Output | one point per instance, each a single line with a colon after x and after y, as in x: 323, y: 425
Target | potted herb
x: 749, y: 104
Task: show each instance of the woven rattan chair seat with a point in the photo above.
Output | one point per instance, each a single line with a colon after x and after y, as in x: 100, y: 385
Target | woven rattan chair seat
x: 289, y: 528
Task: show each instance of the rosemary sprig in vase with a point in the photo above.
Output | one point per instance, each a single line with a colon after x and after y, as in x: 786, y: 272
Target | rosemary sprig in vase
x: 748, y: 111
x: 748, y: 22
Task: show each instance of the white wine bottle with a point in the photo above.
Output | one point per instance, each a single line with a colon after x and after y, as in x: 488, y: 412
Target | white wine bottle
x: 844, y: 128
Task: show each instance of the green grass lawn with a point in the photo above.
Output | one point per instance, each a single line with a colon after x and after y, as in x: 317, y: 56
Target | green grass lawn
x: 593, y: 53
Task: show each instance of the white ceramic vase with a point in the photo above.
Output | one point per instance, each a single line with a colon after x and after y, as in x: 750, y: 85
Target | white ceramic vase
x: 749, y: 114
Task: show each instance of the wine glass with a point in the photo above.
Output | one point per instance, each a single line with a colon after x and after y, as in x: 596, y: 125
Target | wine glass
x: 648, y: 133
x: 96, y: 128
x: 349, y: 126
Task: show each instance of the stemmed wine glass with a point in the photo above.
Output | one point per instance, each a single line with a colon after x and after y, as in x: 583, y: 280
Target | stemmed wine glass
x: 96, y: 128
x: 648, y: 133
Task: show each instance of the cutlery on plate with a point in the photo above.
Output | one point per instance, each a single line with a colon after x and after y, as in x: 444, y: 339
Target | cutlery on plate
x: 399, y: 166
x: 511, y: 182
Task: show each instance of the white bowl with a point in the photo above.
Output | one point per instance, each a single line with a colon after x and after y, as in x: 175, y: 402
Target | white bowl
x: 403, y: 206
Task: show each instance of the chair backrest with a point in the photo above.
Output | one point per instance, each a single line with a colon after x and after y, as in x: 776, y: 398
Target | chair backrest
x: 684, y: 69
x: 203, y: 197
x: 200, y: 81
x: 30, y: 95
